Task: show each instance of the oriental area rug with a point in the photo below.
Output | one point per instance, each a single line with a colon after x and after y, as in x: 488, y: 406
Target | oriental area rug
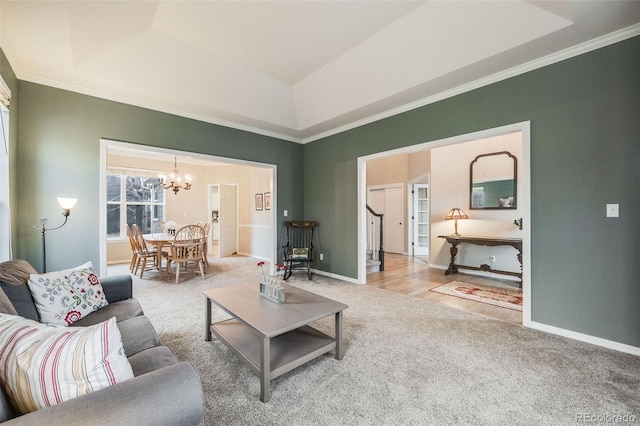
x: 503, y: 297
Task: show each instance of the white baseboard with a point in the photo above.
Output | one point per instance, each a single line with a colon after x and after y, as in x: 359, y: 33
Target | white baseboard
x: 616, y: 346
x: 242, y: 253
x: 483, y: 274
x: 338, y: 277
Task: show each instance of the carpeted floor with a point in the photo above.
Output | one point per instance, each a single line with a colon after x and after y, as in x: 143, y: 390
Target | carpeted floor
x: 408, y: 362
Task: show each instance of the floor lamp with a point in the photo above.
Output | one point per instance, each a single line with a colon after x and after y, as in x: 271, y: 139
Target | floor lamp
x: 66, y: 204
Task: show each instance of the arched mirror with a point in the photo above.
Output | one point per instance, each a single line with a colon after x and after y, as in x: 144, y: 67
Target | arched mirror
x: 493, y: 181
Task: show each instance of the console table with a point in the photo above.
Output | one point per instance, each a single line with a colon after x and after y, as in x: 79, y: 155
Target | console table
x: 454, y: 240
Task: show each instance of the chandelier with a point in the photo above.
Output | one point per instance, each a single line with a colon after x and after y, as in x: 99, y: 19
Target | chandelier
x: 175, y: 180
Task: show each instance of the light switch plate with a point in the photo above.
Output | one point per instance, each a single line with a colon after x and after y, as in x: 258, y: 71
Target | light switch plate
x: 613, y: 210
x: 286, y: 213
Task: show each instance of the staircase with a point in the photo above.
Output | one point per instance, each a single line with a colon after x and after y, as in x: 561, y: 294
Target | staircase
x: 372, y: 264
x: 375, y: 237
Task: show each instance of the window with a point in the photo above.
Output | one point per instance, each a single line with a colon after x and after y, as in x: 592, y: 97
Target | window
x: 133, y: 198
x: 5, y: 209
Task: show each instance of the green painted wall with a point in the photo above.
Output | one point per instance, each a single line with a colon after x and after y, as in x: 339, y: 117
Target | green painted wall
x: 59, y: 153
x: 585, y: 153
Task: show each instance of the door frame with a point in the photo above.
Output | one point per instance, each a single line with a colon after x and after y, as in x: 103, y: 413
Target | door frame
x: 237, y: 241
x: 105, y: 143
x: 524, y: 198
x: 412, y: 230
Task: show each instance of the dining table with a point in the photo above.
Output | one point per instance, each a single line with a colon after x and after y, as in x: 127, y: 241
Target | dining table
x: 159, y: 240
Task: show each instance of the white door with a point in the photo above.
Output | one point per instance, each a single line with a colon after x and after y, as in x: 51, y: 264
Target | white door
x: 228, y: 221
x: 393, y: 220
x: 420, y: 219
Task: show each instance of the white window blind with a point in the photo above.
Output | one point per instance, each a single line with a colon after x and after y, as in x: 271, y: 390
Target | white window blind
x: 5, y: 206
x: 5, y: 93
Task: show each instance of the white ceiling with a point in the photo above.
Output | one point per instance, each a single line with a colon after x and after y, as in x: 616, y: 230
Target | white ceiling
x: 292, y: 69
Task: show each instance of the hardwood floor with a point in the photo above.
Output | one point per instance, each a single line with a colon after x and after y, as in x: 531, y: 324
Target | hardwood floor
x: 412, y: 276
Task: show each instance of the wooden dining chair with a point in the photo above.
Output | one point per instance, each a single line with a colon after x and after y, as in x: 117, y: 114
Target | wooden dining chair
x: 206, y: 226
x: 147, y: 258
x: 188, y: 247
x: 134, y: 249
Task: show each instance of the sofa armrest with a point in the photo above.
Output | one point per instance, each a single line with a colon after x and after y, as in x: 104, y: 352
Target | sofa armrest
x: 117, y: 288
x: 169, y: 396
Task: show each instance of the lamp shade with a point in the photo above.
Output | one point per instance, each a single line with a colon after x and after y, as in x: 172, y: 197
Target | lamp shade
x: 455, y: 214
x: 67, y: 203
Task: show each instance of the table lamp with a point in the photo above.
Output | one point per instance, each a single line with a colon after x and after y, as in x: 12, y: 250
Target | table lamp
x: 455, y: 214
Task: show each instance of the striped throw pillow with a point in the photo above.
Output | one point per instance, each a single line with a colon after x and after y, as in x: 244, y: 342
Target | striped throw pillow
x: 44, y: 365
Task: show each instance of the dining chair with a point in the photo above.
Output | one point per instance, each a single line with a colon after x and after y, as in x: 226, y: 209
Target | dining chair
x: 206, y: 226
x: 188, y: 247
x: 147, y: 258
x: 134, y: 250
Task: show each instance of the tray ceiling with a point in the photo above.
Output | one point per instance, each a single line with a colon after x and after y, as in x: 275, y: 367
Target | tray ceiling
x: 292, y: 69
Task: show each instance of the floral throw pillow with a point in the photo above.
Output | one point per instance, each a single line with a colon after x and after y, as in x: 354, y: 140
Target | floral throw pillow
x: 300, y: 253
x: 63, y: 297
x: 43, y: 365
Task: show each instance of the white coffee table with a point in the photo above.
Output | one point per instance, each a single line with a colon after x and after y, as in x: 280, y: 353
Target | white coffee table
x: 272, y: 338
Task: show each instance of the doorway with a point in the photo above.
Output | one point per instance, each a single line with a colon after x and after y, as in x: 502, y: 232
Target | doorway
x: 420, y: 215
x: 524, y: 201
x: 197, y: 201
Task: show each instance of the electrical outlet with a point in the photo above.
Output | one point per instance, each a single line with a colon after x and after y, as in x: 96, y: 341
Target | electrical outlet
x: 321, y: 256
x: 493, y: 259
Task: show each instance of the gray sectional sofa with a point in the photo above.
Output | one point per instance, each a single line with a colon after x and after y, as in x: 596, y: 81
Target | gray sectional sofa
x: 164, y: 391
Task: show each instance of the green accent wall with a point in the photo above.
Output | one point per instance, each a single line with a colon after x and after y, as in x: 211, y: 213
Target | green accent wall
x: 59, y: 155
x: 585, y: 153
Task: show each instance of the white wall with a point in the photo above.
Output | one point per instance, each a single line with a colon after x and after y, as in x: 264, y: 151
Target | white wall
x: 450, y: 188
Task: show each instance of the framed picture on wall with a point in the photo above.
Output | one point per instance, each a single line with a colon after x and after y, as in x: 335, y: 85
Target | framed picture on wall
x: 258, y: 201
x: 267, y: 201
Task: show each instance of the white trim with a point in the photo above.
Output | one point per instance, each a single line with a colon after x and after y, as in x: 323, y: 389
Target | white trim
x: 105, y: 143
x: 131, y: 171
x: 336, y: 276
x: 249, y: 225
x: 616, y: 346
x: 524, y: 198
x: 266, y: 259
x: 477, y: 273
x: 570, y: 52
x: 5, y: 93
x: 550, y: 59
x: 155, y: 107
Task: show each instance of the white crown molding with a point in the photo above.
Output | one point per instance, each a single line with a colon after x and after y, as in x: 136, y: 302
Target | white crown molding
x: 568, y: 53
x: 150, y: 105
x: 553, y: 58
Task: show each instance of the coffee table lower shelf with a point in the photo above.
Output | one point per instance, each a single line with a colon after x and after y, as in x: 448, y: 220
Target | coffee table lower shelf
x: 286, y: 351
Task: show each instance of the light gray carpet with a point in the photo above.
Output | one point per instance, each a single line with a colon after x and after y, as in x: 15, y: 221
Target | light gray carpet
x: 408, y: 362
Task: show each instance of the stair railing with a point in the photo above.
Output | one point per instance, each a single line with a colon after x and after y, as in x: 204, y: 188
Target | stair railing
x: 371, y: 236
